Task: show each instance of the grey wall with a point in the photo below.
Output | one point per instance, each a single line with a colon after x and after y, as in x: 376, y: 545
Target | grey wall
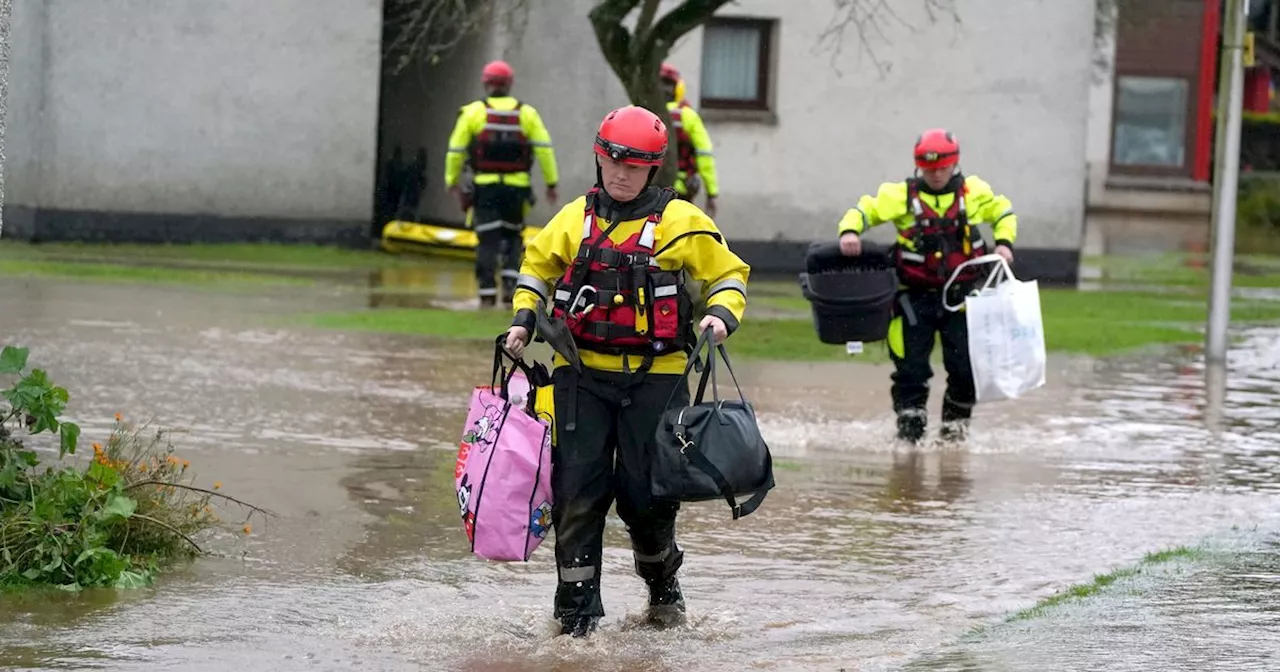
x: 1011, y: 79
x: 559, y: 70
x: 419, y: 107
x: 26, y: 102
x: 231, y: 109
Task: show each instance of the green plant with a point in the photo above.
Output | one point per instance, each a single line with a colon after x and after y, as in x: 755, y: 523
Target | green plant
x: 111, y: 523
x: 1258, y: 204
x: 37, y: 403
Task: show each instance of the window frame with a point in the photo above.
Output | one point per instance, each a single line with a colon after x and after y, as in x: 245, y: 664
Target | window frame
x: 1188, y: 131
x: 764, y: 65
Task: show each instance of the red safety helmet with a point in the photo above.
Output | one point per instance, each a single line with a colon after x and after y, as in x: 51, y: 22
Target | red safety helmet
x: 632, y: 135
x: 669, y: 73
x: 937, y: 148
x: 497, y: 72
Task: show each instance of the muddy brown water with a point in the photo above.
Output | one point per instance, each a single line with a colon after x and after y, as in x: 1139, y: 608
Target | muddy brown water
x: 867, y: 556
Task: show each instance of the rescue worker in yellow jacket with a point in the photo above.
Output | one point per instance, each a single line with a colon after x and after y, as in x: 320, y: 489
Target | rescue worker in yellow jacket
x: 500, y: 136
x: 612, y: 266
x: 696, y: 162
x: 937, y: 213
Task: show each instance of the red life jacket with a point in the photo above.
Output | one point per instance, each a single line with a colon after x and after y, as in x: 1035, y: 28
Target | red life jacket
x: 501, y: 146
x: 942, y: 242
x: 615, y: 299
x: 686, y: 155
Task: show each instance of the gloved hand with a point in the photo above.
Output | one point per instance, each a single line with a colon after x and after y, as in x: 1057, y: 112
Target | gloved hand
x: 464, y: 199
x: 850, y: 244
x: 517, y: 339
x: 717, y: 325
x: 1005, y: 252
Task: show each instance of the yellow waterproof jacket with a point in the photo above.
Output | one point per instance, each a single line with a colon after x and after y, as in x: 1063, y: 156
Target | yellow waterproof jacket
x: 686, y: 239
x: 691, y: 122
x: 471, y: 121
x: 890, y: 205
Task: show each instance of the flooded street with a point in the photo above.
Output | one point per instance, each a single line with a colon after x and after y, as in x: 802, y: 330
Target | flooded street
x: 867, y: 556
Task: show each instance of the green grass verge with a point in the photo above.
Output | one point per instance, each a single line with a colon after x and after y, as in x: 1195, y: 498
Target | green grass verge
x: 269, y: 255
x: 1084, y: 590
x: 1079, y: 322
x: 1091, y: 323
x: 146, y: 274
x: 778, y: 324
x: 1183, y: 270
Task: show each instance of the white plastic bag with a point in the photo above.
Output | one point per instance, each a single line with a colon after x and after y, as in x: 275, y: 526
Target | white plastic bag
x: 1006, y: 334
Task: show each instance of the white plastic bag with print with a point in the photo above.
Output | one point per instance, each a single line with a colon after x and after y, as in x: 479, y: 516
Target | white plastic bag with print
x: 1006, y: 333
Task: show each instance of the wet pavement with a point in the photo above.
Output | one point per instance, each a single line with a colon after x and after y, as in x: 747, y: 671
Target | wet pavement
x: 1217, y: 611
x: 867, y: 556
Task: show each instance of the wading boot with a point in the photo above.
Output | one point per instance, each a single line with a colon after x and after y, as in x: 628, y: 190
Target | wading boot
x: 911, y: 424
x: 666, y: 604
x: 955, y: 431
x: 578, y: 626
x: 955, y: 420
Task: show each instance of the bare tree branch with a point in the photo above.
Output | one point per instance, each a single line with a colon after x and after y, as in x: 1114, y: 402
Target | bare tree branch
x: 647, y: 14
x: 424, y: 31
x: 867, y: 17
x: 614, y: 39
x: 171, y: 528
x: 679, y: 21
x: 193, y: 488
x: 636, y: 57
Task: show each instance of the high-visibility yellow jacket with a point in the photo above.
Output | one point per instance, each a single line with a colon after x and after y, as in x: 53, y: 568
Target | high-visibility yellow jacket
x: 687, y: 119
x: 471, y: 121
x: 890, y: 205
x: 686, y: 238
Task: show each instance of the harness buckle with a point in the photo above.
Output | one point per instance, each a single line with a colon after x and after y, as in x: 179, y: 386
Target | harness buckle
x: 579, y: 299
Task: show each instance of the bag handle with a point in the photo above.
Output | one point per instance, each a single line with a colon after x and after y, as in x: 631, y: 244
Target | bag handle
x: 724, y: 354
x: 688, y: 367
x: 710, y: 373
x: 498, y: 352
x: 984, y: 259
x: 499, y: 366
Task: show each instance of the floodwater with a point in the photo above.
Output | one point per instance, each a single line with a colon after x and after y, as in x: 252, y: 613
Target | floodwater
x: 867, y: 556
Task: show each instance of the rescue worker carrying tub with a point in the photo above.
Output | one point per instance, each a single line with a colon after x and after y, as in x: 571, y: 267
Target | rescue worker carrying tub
x: 501, y: 136
x: 937, y: 213
x: 695, y: 161
x: 612, y: 264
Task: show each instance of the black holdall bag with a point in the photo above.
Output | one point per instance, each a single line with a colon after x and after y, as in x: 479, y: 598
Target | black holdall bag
x: 711, y: 449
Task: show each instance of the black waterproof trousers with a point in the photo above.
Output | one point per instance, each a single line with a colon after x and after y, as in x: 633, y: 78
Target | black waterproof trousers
x: 498, y: 220
x: 923, y: 319
x: 603, y: 457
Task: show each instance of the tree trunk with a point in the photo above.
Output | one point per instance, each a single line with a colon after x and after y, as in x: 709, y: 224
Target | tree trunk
x: 644, y: 91
x: 637, y: 57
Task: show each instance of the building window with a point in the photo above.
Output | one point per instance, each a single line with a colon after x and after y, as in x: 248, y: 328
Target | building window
x: 735, y: 63
x: 1151, y: 122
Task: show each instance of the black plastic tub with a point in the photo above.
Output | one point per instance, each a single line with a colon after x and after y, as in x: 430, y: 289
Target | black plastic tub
x: 851, y: 297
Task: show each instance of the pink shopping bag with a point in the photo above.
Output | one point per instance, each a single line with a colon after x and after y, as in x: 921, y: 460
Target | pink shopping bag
x: 503, y: 471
